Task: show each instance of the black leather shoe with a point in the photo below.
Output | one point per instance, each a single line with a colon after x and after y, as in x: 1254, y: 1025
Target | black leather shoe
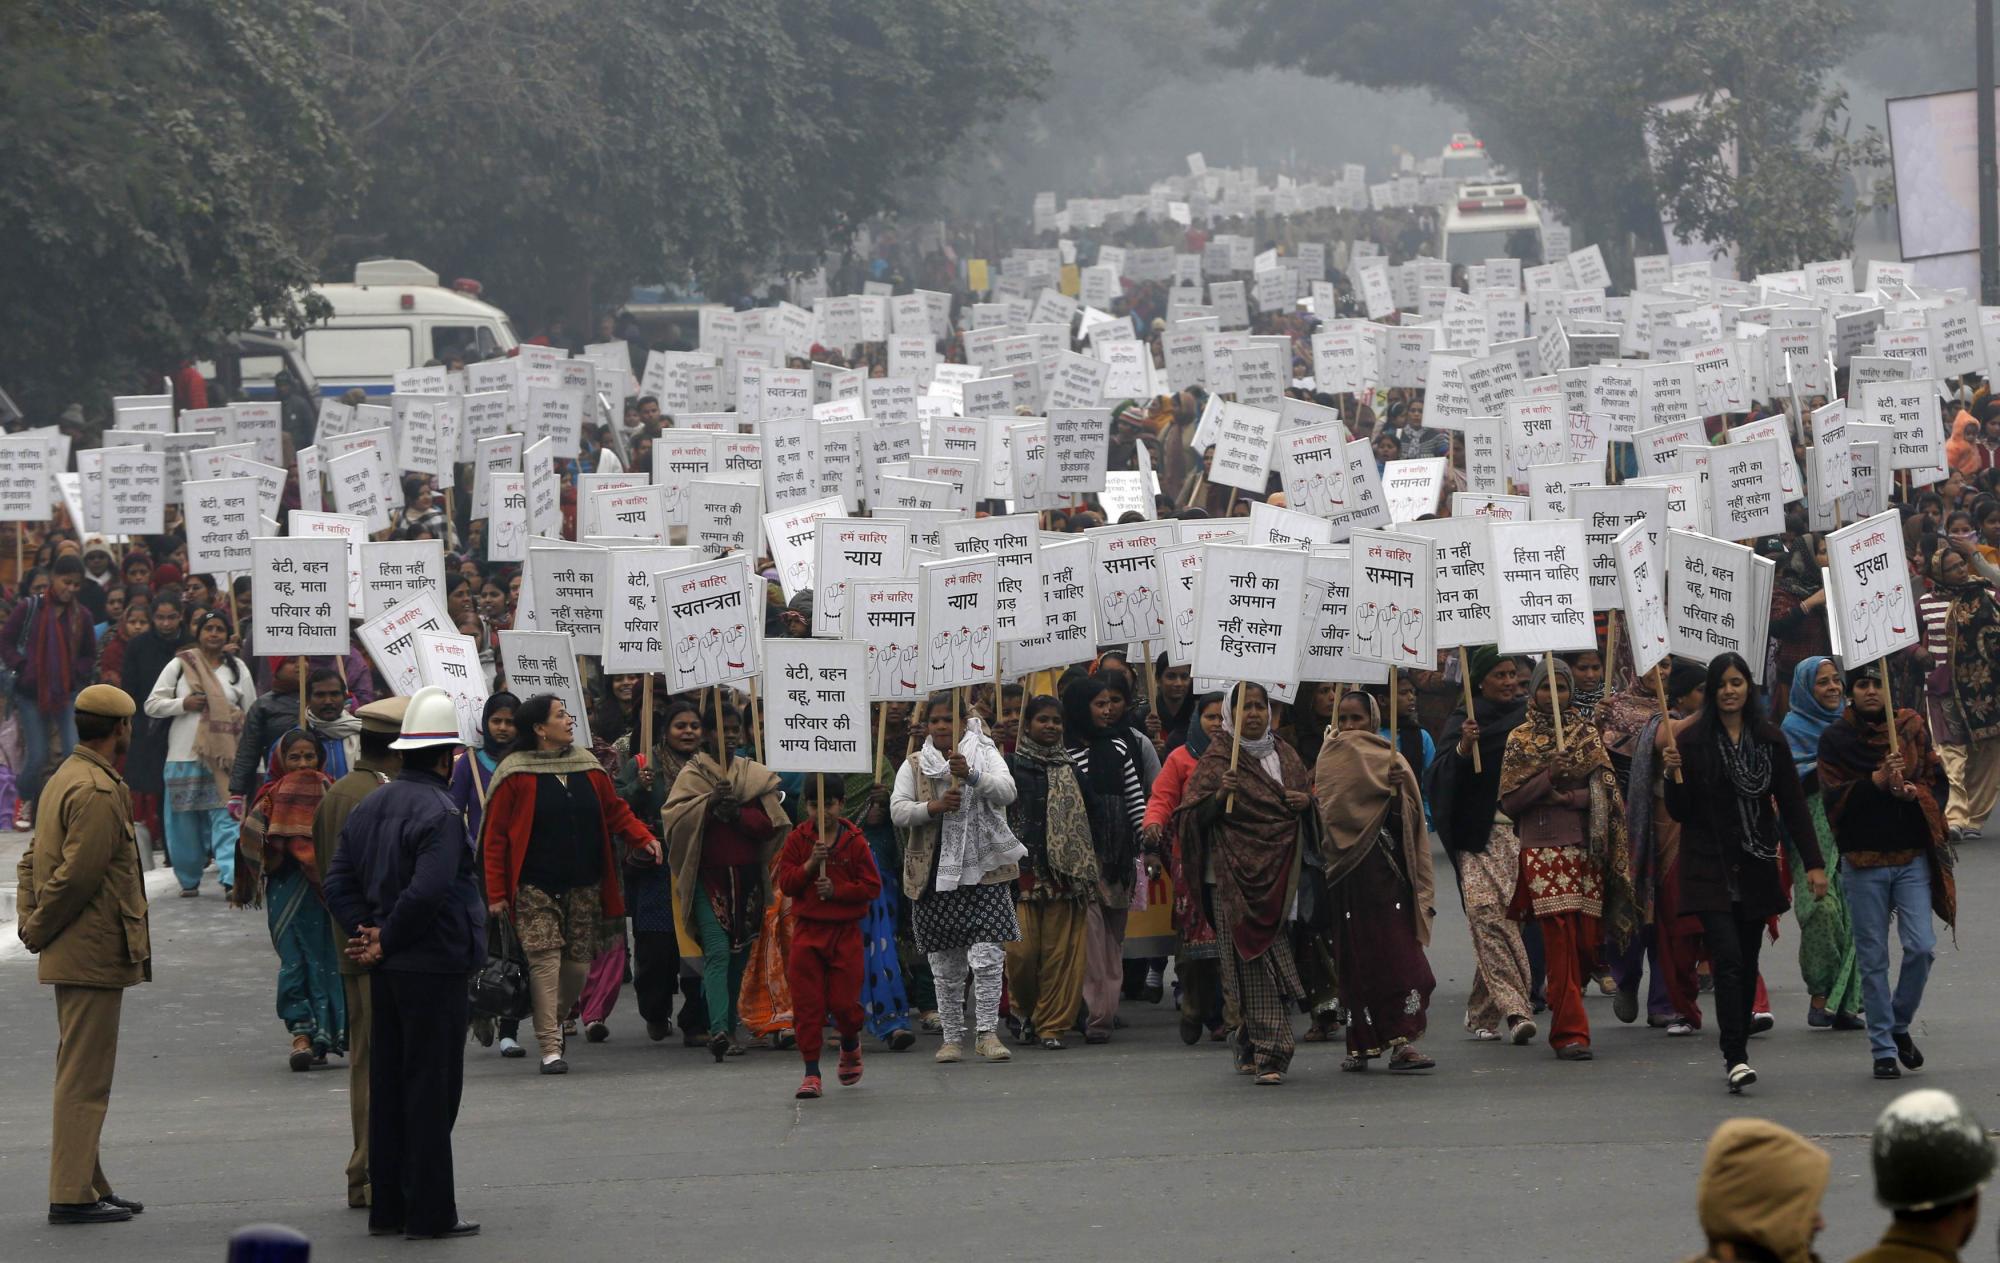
x: 1907, y: 1051
x: 87, y: 1213
x: 137, y: 1208
x: 1885, y: 1068
x: 463, y: 1228
x: 385, y: 1230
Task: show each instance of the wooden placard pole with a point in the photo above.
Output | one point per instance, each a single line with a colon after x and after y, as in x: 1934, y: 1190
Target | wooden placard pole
x: 1465, y: 678
x: 881, y: 736
x: 302, y: 690
x: 721, y: 737
x: 756, y: 724
x: 1235, y: 744
x: 1393, y: 691
x: 1666, y: 713
x: 1889, y: 711
x: 1555, y: 699
x: 646, y: 715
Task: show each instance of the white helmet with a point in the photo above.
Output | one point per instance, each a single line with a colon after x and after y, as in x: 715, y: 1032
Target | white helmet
x: 430, y: 720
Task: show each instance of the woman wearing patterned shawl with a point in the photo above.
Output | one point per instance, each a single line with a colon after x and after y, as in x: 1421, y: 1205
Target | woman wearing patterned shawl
x: 1665, y: 948
x: 1245, y: 823
x: 1574, y: 864
x: 275, y: 868
x: 1826, y: 930
x: 1058, y: 876
x: 1378, y: 874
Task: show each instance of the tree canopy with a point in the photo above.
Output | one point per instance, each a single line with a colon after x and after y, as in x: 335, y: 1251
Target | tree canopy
x: 179, y: 169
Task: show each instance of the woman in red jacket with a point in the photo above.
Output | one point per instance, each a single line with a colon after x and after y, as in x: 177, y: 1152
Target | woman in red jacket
x: 546, y: 842
x: 831, y: 886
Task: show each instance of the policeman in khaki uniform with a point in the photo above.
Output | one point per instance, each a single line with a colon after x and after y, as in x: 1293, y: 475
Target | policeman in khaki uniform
x: 82, y: 903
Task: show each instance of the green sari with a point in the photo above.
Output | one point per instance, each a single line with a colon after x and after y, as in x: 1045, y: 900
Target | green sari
x: 1826, y: 931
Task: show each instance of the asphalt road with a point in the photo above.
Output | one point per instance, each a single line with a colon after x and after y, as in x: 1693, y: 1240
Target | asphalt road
x: 1139, y: 1149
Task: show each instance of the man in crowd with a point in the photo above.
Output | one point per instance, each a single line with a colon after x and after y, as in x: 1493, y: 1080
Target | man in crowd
x: 276, y: 712
x: 375, y: 765
x: 51, y: 648
x: 403, y: 884
x: 82, y: 903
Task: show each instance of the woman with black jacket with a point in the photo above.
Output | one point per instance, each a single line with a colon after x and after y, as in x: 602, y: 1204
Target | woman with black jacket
x: 1736, y: 783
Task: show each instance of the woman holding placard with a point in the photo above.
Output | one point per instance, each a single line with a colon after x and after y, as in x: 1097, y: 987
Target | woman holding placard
x: 1242, y: 814
x: 1059, y: 876
x: 204, y: 690
x: 1105, y: 753
x: 1737, y: 782
x: 1570, y: 818
x: 959, y: 860
x: 1378, y: 873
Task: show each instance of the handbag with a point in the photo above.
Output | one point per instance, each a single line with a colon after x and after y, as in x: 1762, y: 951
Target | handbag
x: 499, y: 988
x: 8, y: 675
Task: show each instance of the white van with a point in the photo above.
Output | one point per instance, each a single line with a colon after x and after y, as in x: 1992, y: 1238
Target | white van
x: 1484, y: 222
x: 395, y: 316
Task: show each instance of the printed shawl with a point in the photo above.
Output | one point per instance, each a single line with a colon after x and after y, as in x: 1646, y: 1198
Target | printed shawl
x: 220, y: 726
x: 1254, y: 845
x: 686, y: 813
x: 1531, y: 749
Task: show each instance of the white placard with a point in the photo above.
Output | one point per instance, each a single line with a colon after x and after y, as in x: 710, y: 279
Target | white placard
x: 638, y: 513
x: 300, y: 524
x: 450, y: 661
x: 1912, y: 408
x: 1273, y: 526
x: 390, y: 641
x: 1069, y: 611
x: 1312, y: 467
x: 221, y: 519
x: 1393, y: 592
x: 134, y: 492
x: 312, y: 480
x: 25, y: 479
x: 1549, y: 486
x: 711, y: 614
x: 1636, y: 557
x: 397, y: 571
x: 1463, y: 600
x: 723, y: 517
x: 357, y: 479
x: 544, y: 489
x: 1541, y: 587
x: 1180, y: 583
x: 958, y: 600
x: 298, y: 592
x: 849, y: 551
x: 790, y: 536
x: 507, y: 518
x: 537, y: 662
x: 1869, y: 589
x: 1079, y: 442
x: 631, y: 608
x: 886, y: 614
x: 1127, y: 580
x: 569, y: 585
x: 1255, y: 602
x: 1710, y: 597
x: 1365, y: 505
x: 1746, y: 497
x: 1014, y: 543
x: 816, y: 706
x: 1412, y: 488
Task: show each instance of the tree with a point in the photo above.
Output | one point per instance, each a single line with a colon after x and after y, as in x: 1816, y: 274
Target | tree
x: 1566, y: 91
x: 157, y: 163
x: 562, y: 150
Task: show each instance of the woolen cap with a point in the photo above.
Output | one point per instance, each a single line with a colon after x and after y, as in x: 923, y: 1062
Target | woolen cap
x: 385, y: 716
x: 106, y: 700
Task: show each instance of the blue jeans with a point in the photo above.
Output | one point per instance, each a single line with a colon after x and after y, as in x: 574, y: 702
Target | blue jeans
x: 1872, y: 893
x: 39, y: 733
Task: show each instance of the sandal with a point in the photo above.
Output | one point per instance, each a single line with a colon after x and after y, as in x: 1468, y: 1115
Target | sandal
x: 1052, y: 1044
x: 1270, y: 1079
x: 1315, y: 1034
x: 302, y: 1056
x: 737, y: 1050
x: 1353, y: 1062
x: 718, y: 1045
x: 1408, y: 1059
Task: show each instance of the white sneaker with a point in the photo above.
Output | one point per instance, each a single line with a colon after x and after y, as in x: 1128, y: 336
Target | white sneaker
x: 990, y: 1047
x: 950, y: 1052
x: 1741, y: 1076
x: 1523, y: 1031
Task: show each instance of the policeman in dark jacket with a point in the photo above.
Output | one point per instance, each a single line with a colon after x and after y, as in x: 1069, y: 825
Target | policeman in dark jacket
x: 1931, y: 1158
x: 404, y: 883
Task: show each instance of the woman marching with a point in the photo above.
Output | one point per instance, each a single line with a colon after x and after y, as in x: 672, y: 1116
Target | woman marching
x: 1378, y: 873
x: 1245, y: 822
x: 1574, y: 862
x: 275, y: 867
x: 643, y: 782
x: 546, y: 843
x: 204, y: 690
x: 1817, y: 700
x: 471, y: 781
x: 1738, y: 780
x: 1058, y: 877
x: 959, y: 857
x: 723, y: 827
x: 1114, y: 794
x: 1196, y: 960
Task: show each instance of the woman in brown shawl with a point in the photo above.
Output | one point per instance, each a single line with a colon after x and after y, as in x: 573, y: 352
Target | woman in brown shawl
x: 1378, y: 873
x: 1566, y: 809
x: 722, y: 829
x: 1245, y: 824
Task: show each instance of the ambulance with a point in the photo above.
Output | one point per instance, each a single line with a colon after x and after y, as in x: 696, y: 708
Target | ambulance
x: 1490, y: 221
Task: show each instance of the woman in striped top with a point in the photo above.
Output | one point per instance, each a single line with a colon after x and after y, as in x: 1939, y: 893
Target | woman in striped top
x: 1114, y: 794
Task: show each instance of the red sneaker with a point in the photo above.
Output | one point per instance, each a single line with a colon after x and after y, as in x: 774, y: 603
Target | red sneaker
x: 808, y: 1089
x: 850, y: 1066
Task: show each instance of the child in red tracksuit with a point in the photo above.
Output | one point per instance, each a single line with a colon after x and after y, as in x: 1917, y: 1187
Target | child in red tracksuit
x: 831, y: 888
